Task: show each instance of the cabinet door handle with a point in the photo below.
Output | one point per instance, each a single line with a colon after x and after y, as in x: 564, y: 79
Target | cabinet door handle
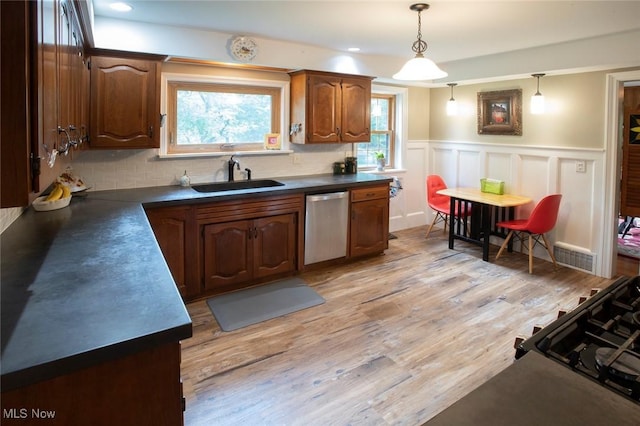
x: 338, y: 130
x: 255, y: 233
x: 150, y: 131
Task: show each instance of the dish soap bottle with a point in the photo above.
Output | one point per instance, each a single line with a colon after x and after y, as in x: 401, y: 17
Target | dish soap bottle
x: 185, y: 180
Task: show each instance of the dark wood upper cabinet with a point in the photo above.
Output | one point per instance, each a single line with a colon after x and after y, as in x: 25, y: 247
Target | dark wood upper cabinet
x: 15, y: 28
x: 44, y: 94
x: 330, y: 108
x: 125, y: 101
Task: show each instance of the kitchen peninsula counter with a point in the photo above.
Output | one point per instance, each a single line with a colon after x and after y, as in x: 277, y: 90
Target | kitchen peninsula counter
x: 88, y: 283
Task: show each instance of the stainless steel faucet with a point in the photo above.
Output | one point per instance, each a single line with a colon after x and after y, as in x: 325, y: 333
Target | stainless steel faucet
x: 231, y: 163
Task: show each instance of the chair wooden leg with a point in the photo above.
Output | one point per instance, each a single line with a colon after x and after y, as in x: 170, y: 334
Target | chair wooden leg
x: 433, y: 222
x: 443, y: 217
x: 530, y: 254
x: 506, y: 241
x: 548, y: 247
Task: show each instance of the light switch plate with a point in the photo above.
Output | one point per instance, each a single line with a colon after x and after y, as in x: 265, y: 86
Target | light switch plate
x: 581, y: 166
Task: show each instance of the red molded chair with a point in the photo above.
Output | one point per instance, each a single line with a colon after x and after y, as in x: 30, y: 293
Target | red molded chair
x: 542, y: 220
x: 440, y: 203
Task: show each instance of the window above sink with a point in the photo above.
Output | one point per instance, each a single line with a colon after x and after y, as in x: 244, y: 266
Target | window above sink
x: 213, y: 115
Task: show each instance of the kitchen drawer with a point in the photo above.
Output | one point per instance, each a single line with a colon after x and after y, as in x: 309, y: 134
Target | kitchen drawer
x: 370, y: 193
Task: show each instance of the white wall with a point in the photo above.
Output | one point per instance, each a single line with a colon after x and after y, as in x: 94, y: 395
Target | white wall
x: 8, y: 215
x: 582, y: 124
x: 530, y: 171
x: 117, y: 169
x: 535, y: 172
x: 604, y: 52
x: 542, y: 161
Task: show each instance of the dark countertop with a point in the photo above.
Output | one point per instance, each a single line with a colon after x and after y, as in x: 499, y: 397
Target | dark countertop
x: 175, y: 195
x: 537, y: 391
x: 88, y: 283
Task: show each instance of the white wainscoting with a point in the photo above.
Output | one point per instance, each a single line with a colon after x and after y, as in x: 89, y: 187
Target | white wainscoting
x: 530, y: 171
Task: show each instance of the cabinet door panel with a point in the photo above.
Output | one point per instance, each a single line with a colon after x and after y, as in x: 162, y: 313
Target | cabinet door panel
x: 65, y: 117
x: 324, y: 109
x: 275, y: 245
x: 369, y: 227
x: 169, y: 227
x: 15, y: 103
x: 227, y: 254
x: 124, y: 110
x: 356, y: 107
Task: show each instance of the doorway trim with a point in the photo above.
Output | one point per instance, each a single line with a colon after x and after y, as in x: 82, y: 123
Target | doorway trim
x: 613, y: 159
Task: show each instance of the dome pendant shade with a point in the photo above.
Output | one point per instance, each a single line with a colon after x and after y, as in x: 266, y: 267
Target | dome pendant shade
x: 419, y: 68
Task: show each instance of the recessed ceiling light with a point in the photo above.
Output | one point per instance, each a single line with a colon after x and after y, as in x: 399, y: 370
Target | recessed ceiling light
x: 353, y: 49
x: 120, y: 7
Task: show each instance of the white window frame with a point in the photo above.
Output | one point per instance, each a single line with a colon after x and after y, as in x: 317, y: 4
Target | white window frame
x: 199, y: 78
x: 401, y: 123
x: 390, y: 162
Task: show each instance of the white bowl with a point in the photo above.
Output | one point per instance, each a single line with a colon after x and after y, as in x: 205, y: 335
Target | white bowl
x: 39, y: 204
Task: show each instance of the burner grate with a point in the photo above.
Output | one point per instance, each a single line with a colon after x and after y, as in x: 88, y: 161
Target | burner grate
x: 600, y: 339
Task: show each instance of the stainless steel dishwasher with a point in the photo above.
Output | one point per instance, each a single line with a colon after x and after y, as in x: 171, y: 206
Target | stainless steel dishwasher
x: 326, y: 221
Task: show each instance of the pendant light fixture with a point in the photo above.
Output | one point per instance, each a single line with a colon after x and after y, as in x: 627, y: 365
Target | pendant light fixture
x: 419, y: 68
x: 452, y: 105
x: 537, y: 100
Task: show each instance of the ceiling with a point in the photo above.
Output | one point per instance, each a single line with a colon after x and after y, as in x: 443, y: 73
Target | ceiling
x: 455, y: 30
x: 472, y: 40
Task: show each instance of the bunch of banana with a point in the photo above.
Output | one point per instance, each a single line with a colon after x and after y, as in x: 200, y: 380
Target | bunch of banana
x: 59, y: 191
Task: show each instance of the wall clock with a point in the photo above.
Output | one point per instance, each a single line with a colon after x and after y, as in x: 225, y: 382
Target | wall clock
x: 244, y: 49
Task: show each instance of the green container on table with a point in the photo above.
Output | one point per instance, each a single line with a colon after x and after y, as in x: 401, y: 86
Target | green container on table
x: 492, y: 186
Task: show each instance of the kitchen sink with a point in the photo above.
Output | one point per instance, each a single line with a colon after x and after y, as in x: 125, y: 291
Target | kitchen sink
x: 235, y: 185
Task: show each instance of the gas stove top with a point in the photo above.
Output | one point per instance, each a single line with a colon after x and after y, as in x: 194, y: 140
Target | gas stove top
x: 600, y: 339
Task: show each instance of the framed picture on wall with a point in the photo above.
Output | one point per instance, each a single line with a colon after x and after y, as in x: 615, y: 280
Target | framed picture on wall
x: 500, y: 112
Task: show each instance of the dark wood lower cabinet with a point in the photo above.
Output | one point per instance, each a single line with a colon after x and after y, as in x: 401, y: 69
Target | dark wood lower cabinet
x: 139, y: 389
x: 223, y: 246
x: 247, y: 241
x: 238, y: 252
x: 226, y: 245
x: 170, y: 228
x: 227, y: 254
x: 369, y: 221
x: 274, y: 248
x: 175, y: 230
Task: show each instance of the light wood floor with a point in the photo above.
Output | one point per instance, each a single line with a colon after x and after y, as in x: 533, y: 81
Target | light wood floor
x: 628, y: 266
x: 400, y: 338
